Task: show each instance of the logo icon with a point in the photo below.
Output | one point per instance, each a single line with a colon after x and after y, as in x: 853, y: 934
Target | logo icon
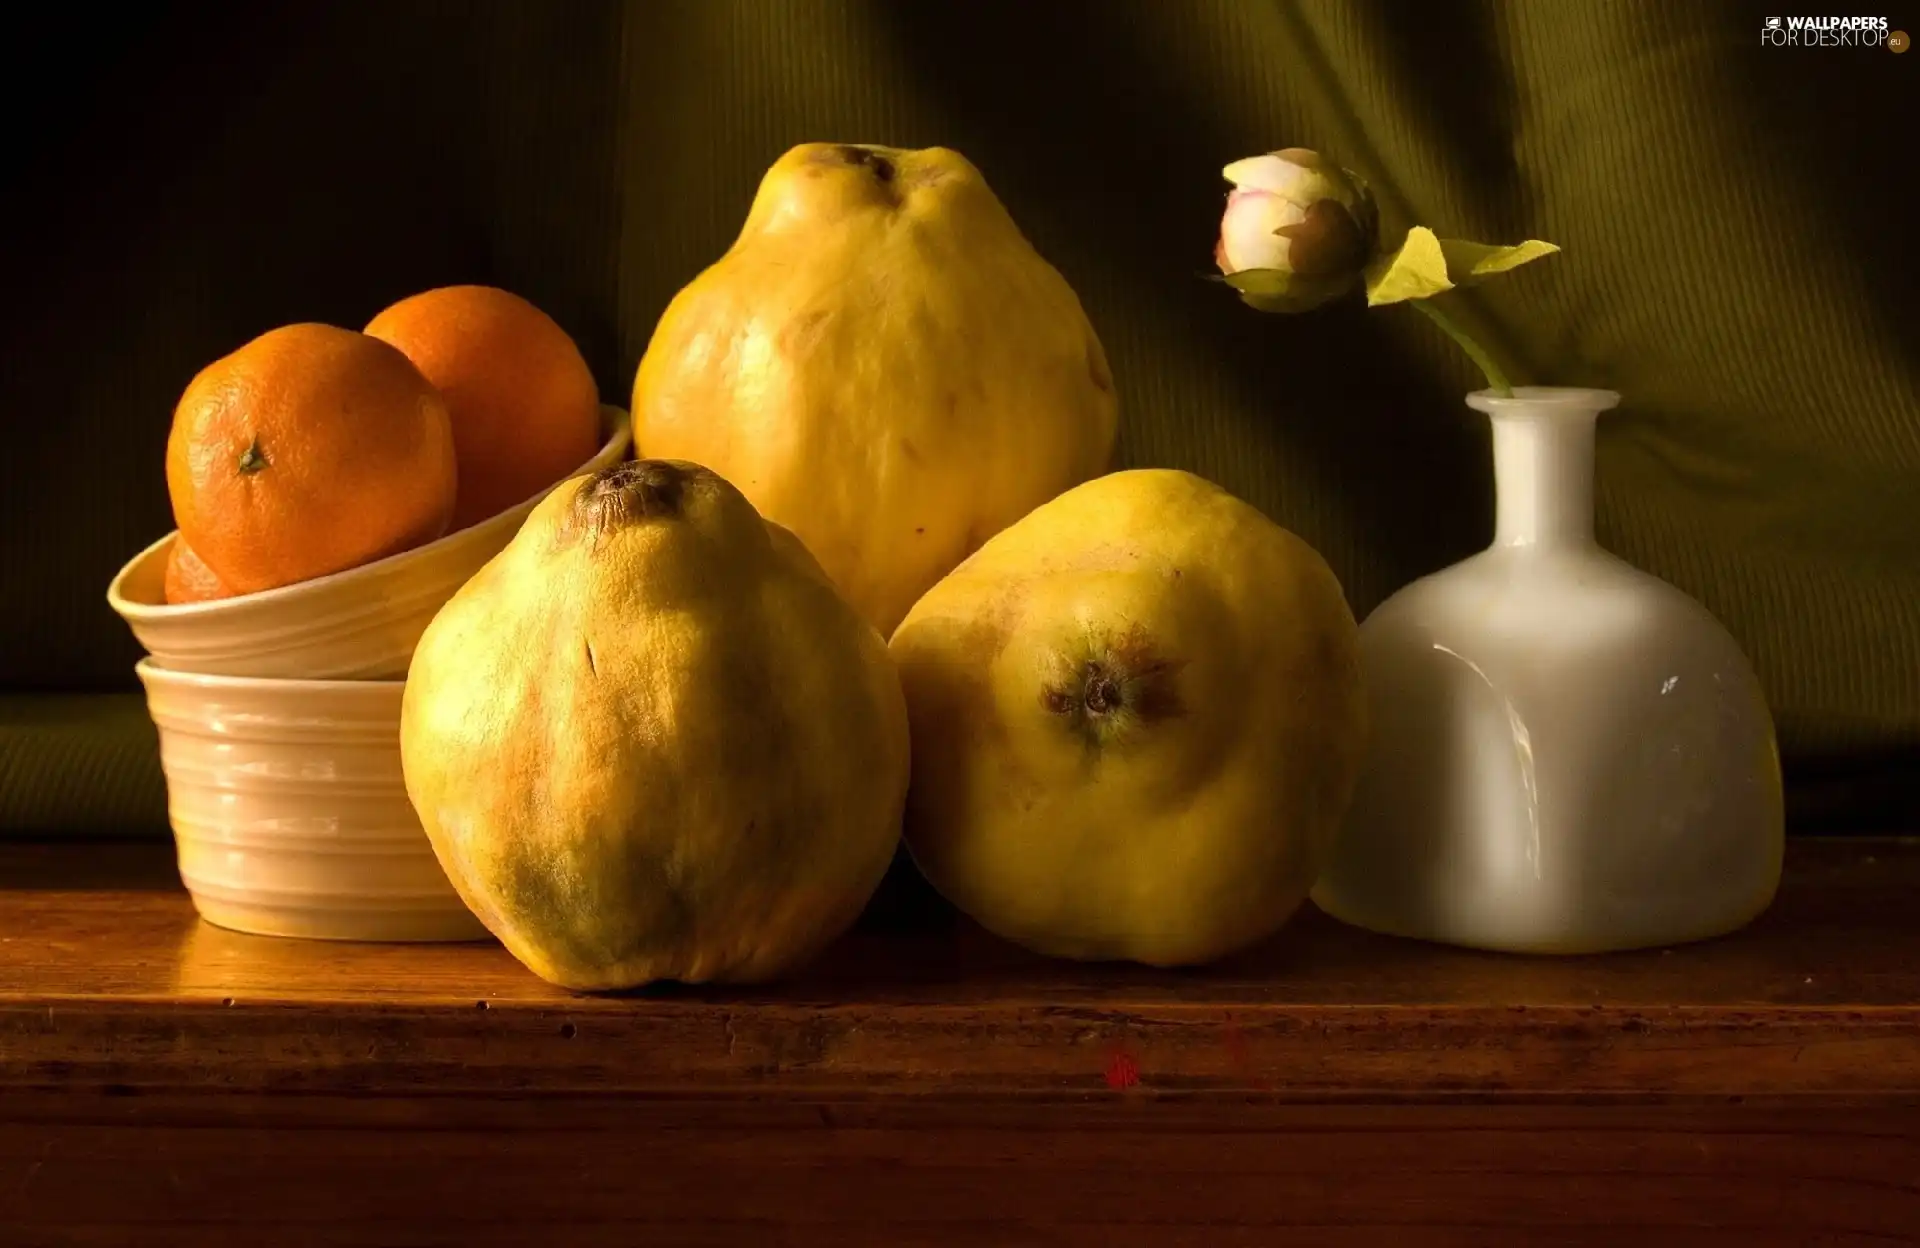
x: 1898, y: 41
x: 1773, y: 23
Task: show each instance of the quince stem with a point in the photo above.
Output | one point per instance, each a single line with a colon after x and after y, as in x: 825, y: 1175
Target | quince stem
x: 1496, y: 380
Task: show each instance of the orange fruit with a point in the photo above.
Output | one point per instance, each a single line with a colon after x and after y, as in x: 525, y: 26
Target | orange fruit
x: 310, y: 450
x: 525, y: 407
x: 188, y: 577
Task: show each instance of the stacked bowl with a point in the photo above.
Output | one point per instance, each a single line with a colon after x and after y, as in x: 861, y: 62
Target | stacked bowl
x: 279, y: 721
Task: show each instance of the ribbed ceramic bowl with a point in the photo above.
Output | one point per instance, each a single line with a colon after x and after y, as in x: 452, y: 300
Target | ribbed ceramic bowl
x: 361, y: 624
x: 290, y: 816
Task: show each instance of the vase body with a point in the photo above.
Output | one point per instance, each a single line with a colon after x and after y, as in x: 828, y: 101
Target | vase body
x: 1567, y: 755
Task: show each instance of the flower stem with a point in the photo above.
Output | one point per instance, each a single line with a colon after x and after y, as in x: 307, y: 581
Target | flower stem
x: 1496, y: 380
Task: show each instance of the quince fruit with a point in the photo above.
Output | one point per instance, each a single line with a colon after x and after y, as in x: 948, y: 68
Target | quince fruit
x: 1137, y: 723
x: 884, y: 365
x: 649, y: 741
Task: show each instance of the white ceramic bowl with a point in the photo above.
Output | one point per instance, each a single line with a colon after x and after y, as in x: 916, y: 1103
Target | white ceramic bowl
x: 290, y: 815
x: 361, y: 624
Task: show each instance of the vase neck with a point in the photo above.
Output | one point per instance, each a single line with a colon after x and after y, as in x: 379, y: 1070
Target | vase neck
x: 1543, y: 463
x: 1543, y: 481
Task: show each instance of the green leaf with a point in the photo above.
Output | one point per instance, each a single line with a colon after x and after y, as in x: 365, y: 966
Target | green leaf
x: 1468, y: 263
x: 1276, y: 290
x: 1259, y: 281
x: 1425, y: 266
x: 1417, y: 269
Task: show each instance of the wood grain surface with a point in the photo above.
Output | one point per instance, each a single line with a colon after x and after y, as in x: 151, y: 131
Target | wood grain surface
x: 163, y: 1081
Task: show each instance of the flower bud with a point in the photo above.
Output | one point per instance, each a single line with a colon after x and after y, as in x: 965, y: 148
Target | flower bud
x: 1297, y: 232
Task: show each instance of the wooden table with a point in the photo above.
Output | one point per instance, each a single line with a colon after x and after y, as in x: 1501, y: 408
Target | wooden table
x: 166, y: 1082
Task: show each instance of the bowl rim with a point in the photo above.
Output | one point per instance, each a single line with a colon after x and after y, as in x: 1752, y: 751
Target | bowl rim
x: 614, y: 419
x: 149, y: 671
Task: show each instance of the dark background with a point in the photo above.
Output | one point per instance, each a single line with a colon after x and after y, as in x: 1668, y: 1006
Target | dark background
x: 183, y: 177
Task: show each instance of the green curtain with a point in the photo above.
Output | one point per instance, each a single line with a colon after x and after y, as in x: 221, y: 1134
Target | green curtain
x: 1730, y: 215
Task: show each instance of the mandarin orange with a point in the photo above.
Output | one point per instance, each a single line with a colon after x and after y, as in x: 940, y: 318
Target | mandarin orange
x: 310, y: 450
x: 525, y: 406
x: 189, y: 579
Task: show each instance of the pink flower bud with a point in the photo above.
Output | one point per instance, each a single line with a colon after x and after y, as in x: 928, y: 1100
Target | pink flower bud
x: 1304, y: 226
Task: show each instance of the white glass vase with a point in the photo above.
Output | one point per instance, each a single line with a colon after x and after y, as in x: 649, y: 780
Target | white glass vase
x: 1568, y: 755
